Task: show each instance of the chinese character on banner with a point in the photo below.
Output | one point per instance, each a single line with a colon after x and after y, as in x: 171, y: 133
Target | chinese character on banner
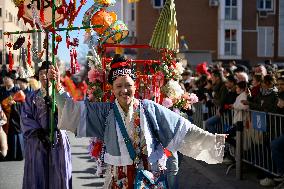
x: 259, y: 121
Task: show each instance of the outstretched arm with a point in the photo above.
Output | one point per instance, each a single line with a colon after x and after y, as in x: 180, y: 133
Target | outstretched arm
x: 178, y: 134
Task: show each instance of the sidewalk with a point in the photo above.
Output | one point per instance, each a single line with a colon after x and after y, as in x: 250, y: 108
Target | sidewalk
x: 199, y: 175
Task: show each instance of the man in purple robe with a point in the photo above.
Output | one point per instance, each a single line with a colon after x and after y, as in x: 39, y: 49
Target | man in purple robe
x: 47, y: 164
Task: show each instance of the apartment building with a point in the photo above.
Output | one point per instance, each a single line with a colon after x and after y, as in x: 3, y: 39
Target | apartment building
x: 247, y: 31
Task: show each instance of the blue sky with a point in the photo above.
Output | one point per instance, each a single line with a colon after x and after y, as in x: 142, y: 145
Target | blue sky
x: 82, y: 50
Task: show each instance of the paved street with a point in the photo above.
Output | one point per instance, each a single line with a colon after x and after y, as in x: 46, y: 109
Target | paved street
x: 193, y: 174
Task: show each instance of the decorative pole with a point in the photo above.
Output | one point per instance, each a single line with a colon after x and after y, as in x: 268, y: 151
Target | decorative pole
x: 52, y: 124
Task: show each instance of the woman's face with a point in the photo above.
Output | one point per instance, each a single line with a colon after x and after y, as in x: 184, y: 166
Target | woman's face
x: 124, y: 89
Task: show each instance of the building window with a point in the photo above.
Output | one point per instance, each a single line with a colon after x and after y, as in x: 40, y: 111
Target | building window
x: 158, y: 4
x: 265, y: 5
x: 132, y: 12
x: 1, y: 34
x: 10, y: 17
x: 0, y: 12
x: 230, y: 42
x: 231, y: 10
x: 265, y: 40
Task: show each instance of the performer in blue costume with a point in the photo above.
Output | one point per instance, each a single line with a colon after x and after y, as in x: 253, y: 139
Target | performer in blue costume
x: 46, y: 165
x: 150, y: 128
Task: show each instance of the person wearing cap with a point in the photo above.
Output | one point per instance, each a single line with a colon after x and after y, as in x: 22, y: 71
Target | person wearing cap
x: 9, y: 86
x: 47, y: 164
x: 135, y: 132
x: 6, y: 91
x: 24, y: 85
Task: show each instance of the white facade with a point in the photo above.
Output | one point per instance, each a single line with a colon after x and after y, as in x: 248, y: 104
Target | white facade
x: 230, y: 30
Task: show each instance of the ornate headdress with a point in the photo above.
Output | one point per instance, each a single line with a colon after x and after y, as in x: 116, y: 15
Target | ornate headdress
x: 120, y: 67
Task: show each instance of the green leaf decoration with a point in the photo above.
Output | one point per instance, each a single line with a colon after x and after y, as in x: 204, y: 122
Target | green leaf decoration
x: 165, y: 35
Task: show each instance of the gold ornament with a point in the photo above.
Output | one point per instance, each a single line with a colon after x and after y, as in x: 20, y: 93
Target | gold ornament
x: 18, y: 2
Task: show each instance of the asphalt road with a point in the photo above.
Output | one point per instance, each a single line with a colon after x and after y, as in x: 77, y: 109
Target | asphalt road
x: 193, y: 174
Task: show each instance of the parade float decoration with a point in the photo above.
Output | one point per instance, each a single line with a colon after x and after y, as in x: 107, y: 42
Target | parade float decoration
x: 39, y: 12
x: 104, y: 30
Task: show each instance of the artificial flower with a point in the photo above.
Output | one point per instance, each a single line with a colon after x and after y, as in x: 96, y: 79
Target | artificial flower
x: 167, y: 102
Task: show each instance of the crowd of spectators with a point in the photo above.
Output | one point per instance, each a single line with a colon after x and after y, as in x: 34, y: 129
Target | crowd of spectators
x: 236, y: 88
x: 14, y: 86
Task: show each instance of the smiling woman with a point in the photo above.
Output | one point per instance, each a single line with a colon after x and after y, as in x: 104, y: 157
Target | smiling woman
x: 135, y: 132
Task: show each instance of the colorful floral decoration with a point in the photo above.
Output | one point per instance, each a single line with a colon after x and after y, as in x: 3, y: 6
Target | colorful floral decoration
x: 98, y: 91
x: 115, y: 33
x: 95, y: 89
x: 148, y: 86
x: 170, y: 68
x: 86, y: 22
x: 175, y: 97
x: 105, y: 3
x: 104, y: 19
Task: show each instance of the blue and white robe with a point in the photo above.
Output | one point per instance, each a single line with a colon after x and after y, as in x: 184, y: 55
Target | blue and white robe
x: 160, y: 126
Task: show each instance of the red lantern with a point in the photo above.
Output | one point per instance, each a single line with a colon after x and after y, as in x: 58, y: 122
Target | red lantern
x: 104, y: 19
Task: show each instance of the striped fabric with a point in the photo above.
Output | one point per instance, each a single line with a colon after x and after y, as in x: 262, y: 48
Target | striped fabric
x: 165, y: 35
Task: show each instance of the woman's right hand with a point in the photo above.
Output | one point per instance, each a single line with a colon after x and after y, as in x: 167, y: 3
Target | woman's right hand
x: 54, y: 74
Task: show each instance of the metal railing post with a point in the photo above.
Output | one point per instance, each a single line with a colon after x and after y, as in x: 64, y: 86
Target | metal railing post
x: 239, y: 149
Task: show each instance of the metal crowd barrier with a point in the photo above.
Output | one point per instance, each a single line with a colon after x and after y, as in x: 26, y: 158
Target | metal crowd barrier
x: 254, y: 135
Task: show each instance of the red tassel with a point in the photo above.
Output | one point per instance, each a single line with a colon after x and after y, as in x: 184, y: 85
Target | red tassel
x: 11, y: 61
x: 21, y: 11
x: 42, y: 11
x: 29, y: 53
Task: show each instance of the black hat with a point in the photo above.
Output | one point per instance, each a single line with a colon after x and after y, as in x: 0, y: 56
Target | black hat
x: 241, y: 68
x: 231, y: 78
x: 23, y: 80
x: 44, y: 65
x: 11, y: 74
x: 120, y: 67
